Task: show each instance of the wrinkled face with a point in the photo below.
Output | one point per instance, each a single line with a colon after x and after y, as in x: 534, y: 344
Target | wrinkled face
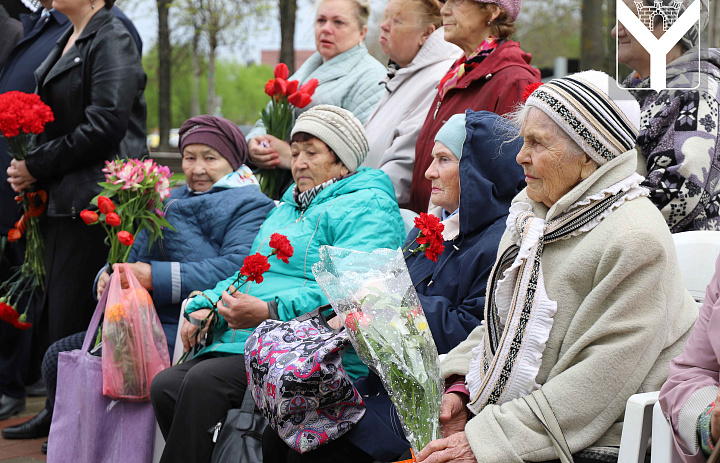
x: 444, y: 173
x: 203, y: 166
x: 629, y: 50
x: 401, y: 33
x: 464, y: 22
x: 313, y: 163
x: 552, y: 166
x: 337, y: 28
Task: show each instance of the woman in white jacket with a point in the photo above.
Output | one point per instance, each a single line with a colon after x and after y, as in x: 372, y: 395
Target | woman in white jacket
x: 420, y: 57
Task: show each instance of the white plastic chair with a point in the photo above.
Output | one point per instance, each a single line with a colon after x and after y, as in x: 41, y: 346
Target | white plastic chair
x: 408, y: 217
x: 697, y: 252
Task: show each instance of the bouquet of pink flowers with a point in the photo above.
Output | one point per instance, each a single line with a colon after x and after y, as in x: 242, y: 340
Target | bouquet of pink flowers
x: 139, y: 188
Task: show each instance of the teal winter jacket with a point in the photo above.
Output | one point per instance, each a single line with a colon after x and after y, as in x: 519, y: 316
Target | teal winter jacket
x: 358, y: 212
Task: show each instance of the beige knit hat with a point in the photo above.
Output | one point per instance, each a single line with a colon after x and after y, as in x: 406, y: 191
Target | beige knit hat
x: 337, y: 128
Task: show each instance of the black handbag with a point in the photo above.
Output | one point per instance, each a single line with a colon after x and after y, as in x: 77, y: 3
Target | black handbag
x: 240, y: 438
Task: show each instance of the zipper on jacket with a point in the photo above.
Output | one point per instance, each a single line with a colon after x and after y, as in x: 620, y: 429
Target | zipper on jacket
x: 216, y: 431
x: 437, y: 108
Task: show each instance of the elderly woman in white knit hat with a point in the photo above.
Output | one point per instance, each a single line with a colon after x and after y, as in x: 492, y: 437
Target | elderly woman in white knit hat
x: 333, y: 202
x: 586, y: 303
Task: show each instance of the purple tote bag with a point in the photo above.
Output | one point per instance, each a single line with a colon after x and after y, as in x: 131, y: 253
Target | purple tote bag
x: 88, y: 427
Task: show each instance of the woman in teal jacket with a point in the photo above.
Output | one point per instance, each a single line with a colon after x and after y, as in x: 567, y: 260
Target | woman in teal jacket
x: 333, y: 202
x: 348, y: 77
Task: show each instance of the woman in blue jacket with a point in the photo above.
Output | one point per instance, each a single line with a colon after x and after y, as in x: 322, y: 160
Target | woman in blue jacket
x: 216, y: 217
x: 471, y: 155
x: 333, y: 202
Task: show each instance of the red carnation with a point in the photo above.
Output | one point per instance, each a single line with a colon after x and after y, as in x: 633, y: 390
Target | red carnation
x: 434, y: 250
x: 254, y: 266
x: 428, y: 224
x: 126, y: 238
x: 280, y: 86
x: 529, y: 89
x: 21, y: 325
x: 309, y: 87
x: 7, y: 313
x: 113, y: 219
x: 23, y: 112
x: 105, y: 204
x: 89, y: 217
x: 281, y: 71
x: 270, y: 87
x: 281, y: 247
x: 299, y: 99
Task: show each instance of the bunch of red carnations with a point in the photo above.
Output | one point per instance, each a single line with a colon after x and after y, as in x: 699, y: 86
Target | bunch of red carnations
x: 22, y: 117
x: 430, y: 239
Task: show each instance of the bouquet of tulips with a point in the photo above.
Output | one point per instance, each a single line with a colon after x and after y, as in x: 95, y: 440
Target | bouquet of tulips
x: 376, y: 302
x: 278, y: 116
x: 22, y: 117
x: 139, y: 188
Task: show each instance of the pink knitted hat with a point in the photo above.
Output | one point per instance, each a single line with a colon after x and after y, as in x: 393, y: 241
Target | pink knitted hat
x: 511, y: 6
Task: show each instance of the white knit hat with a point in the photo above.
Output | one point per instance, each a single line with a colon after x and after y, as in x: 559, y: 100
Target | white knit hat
x: 593, y: 110
x: 339, y: 129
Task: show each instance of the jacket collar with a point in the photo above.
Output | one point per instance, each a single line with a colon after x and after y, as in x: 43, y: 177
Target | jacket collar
x: 434, y: 50
x: 604, y: 177
x: 31, y: 23
x: 57, y: 63
x: 507, y: 54
x: 337, y: 67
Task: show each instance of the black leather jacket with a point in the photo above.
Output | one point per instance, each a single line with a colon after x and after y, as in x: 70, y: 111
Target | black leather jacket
x: 96, y: 93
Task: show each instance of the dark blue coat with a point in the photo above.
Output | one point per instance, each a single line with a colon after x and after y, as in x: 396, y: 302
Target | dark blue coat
x: 452, y: 290
x: 39, y: 40
x: 213, y: 233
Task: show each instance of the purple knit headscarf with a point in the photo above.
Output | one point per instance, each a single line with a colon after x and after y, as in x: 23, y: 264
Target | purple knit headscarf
x: 218, y: 133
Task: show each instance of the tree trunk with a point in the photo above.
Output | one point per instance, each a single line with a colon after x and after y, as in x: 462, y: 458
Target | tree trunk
x: 714, y: 26
x: 196, y: 71
x: 164, y: 64
x: 211, y: 77
x: 288, y: 9
x: 592, y: 36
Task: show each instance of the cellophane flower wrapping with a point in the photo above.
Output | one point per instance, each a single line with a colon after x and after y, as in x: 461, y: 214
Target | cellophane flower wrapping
x: 134, y: 343
x: 374, y: 297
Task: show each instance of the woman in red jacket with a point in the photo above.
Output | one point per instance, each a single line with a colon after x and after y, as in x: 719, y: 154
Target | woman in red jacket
x: 491, y: 76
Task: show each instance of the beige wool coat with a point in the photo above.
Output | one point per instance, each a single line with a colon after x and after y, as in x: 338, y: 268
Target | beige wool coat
x: 622, y: 314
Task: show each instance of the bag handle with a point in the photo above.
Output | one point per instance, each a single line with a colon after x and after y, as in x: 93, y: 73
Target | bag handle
x: 95, y: 321
x: 540, y: 406
x: 247, y: 408
x: 318, y: 313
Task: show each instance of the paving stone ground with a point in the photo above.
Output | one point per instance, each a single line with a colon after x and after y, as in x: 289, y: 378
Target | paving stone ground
x: 23, y: 450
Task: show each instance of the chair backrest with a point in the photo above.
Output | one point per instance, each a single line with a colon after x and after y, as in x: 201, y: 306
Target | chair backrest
x: 408, y: 217
x: 697, y: 252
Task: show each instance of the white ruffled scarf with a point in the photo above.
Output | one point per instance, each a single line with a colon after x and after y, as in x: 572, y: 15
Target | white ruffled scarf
x: 518, y: 312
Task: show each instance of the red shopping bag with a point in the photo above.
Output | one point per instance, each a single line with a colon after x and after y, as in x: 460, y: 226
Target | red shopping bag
x: 134, y: 344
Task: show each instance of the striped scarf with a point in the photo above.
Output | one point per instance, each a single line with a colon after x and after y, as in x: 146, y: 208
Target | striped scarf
x: 518, y: 312
x: 465, y: 65
x: 306, y: 197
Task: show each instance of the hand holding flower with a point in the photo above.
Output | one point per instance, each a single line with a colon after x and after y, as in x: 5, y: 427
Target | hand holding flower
x: 188, y: 332
x: 262, y: 154
x: 102, y: 284
x: 19, y: 176
x: 241, y: 310
x: 455, y: 448
x: 143, y: 272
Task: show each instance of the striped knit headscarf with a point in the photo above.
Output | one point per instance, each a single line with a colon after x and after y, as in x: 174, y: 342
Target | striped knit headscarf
x: 593, y: 110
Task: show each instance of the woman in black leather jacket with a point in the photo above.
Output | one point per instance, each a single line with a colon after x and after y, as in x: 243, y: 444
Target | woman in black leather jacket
x: 94, y: 82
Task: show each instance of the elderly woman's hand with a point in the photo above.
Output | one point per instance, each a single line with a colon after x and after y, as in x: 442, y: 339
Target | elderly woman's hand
x: 188, y: 332
x: 19, y: 176
x: 453, y: 413
x: 268, y: 152
x: 455, y: 448
x: 242, y: 310
x: 715, y: 421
